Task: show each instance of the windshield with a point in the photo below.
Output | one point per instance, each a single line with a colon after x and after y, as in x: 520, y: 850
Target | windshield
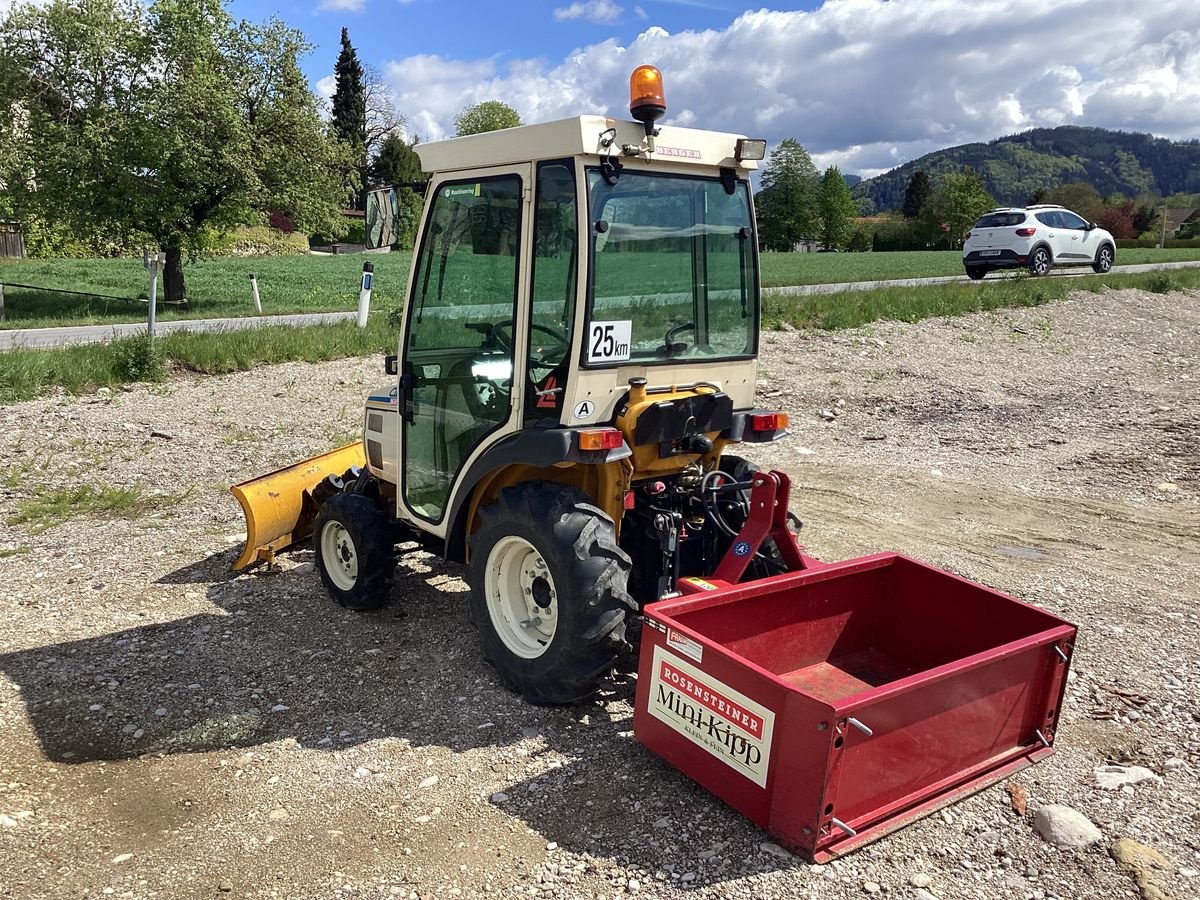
x: 673, y: 270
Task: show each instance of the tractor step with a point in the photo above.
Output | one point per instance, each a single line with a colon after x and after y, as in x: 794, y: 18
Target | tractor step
x: 836, y: 704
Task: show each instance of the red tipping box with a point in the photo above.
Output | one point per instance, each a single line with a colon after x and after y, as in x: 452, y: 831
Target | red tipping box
x: 834, y: 705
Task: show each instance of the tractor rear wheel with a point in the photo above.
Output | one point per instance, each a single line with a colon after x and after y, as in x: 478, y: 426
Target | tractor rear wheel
x: 549, y: 592
x: 355, y: 551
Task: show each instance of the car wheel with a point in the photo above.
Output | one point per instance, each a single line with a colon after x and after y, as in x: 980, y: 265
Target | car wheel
x: 976, y: 273
x: 1039, y: 262
x: 1104, y: 260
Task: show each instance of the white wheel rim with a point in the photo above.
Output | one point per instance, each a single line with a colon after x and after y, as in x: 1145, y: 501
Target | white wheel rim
x: 1105, y: 259
x: 339, y: 556
x: 522, y: 601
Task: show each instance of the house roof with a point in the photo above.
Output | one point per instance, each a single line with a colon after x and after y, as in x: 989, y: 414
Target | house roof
x: 1177, y: 218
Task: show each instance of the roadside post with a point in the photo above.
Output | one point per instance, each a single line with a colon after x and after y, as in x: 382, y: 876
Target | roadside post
x: 152, y: 262
x: 254, y: 294
x: 1, y: 301
x: 364, y: 293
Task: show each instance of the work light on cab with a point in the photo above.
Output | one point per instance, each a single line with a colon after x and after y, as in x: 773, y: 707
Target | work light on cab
x: 647, y: 103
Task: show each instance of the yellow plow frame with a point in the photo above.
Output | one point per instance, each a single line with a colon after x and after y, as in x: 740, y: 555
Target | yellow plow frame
x: 279, y: 508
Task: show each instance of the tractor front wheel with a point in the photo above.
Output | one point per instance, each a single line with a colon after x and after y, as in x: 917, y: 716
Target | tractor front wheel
x: 548, y: 592
x: 355, y: 552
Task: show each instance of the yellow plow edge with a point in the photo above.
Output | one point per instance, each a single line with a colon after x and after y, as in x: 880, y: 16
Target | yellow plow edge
x: 278, y: 507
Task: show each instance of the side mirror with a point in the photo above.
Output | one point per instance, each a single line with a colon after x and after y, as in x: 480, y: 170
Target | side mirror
x: 1090, y: 226
x: 391, y: 365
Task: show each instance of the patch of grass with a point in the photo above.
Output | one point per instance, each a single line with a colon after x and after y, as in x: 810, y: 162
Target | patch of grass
x: 1161, y: 283
x: 48, y: 507
x: 911, y: 304
x: 28, y: 373
x: 6, y: 552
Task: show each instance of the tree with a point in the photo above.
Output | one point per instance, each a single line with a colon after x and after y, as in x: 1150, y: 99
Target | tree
x: 491, y: 115
x: 350, y: 104
x: 382, y: 118
x: 159, y: 122
x: 916, y: 195
x: 835, y: 210
x: 397, y: 162
x: 787, y: 198
x: 1118, y: 219
x: 957, y: 203
x: 1079, y: 197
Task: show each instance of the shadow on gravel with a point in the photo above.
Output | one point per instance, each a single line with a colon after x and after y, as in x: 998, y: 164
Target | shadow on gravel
x: 282, y: 661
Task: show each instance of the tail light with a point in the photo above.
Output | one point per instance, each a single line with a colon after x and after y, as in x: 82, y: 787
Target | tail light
x: 599, y: 438
x: 1026, y: 232
x: 770, y: 421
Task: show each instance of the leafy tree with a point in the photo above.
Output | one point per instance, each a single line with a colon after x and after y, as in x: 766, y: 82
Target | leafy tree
x: 835, y: 210
x: 1041, y: 195
x: 860, y: 241
x: 350, y: 104
x: 397, y: 162
x: 916, y: 195
x: 158, y: 122
x: 1079, y: 197
x: 787, y: 198
x: 491, y: 115
x: 866, y: 206
x: 1145, y: 218
x: 1118, y: 219
x: 957, y: 203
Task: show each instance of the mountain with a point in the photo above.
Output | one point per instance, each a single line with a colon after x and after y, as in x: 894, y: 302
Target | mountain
x: 1015, y: 166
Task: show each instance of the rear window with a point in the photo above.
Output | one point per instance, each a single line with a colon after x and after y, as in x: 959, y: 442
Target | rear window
x: 1001, y: 220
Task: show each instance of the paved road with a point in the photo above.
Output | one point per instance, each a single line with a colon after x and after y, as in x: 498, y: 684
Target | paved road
x: 86, y: 334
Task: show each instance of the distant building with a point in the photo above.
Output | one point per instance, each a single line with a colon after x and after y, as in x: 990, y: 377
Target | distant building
x: 1178, y: 218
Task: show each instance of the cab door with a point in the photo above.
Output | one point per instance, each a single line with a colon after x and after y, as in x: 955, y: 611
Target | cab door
x: 467, y: 300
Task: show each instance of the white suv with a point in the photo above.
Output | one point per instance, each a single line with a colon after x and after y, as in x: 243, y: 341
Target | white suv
x: 1036, y: 238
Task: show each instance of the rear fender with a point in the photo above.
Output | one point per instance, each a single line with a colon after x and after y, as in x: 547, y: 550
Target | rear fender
x: 536, y: 454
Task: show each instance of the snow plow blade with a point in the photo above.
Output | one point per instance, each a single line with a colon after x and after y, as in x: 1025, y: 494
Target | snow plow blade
x: 279, y: 508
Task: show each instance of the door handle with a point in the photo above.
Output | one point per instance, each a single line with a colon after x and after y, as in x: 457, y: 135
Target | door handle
x: 407, y: 410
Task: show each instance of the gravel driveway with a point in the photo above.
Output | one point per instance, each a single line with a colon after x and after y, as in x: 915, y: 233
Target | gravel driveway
x: 172, y: 731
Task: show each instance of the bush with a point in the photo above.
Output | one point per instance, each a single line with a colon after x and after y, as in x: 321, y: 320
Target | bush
x: 1152, y: 242
x: 137, y: 359
x: 253, y: 240
x: 1162, y: 284
x: 860, y: 242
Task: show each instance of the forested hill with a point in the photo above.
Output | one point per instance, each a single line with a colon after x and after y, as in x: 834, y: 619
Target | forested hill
x: 1014, y: 167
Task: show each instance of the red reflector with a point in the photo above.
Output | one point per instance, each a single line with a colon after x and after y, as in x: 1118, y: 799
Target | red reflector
x: 1026, y: 232
x: 600, y: 439
x: 628, y: 500
x: 772, y: 421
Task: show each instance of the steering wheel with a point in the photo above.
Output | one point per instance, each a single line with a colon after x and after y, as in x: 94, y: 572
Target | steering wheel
x: 671, y: 345
x: 504, y: 340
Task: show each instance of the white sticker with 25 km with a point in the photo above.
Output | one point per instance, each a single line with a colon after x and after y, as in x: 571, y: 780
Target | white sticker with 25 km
x: 609, y: 341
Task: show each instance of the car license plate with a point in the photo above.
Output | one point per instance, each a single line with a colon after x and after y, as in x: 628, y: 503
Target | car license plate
x: 989, y: 252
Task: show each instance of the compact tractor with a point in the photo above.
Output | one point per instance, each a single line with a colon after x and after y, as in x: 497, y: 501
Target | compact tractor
x: 576, y: 366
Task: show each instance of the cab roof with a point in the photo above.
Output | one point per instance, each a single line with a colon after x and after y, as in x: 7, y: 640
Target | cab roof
x: 580, y: 136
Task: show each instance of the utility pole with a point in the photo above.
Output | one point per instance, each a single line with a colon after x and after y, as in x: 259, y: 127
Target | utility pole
x: 1163, y: 241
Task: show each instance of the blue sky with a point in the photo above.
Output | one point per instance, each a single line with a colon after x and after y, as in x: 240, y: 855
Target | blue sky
x: 865, y: 84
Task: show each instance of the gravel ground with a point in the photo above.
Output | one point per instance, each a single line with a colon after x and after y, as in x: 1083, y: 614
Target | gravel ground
x: 172, y: 731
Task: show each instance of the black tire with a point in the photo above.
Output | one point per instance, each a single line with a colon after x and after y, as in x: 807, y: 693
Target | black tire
x: 349, y: 526
x: 976, y: 273
x: 1040, y: 261
x: 1104, y: 260
x: 768, y: 560
x: 587, y: 575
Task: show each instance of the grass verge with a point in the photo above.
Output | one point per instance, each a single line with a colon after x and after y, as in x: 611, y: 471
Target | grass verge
x: 25, y: 374
x: 911, y: 304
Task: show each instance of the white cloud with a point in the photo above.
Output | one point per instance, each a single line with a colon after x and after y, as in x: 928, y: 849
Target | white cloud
x: 601, y: 11
x: 640, y: 13
x: 864, y: 84
x: 342, y: 6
